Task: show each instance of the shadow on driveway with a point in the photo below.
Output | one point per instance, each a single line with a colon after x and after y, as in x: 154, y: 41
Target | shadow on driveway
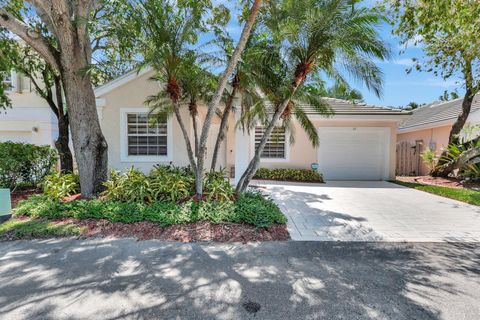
x: 116, y: 279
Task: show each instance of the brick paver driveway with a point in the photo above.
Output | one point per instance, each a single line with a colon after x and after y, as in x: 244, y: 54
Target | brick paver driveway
x: 372, y: 211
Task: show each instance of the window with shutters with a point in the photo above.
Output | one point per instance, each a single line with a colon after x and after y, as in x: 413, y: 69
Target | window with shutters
x: 275, y: 148
x: 146, y: 137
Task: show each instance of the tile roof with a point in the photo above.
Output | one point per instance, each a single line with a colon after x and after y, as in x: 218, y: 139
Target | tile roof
x: 437, y: 112
x: 345, y: 107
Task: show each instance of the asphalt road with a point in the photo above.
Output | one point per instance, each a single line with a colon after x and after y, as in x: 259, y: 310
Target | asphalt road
x: 128, y: 279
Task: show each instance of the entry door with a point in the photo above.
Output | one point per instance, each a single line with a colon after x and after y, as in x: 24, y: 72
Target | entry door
x: 354, y: 153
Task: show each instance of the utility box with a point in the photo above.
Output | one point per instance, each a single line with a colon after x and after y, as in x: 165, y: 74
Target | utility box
x: 5, y: 205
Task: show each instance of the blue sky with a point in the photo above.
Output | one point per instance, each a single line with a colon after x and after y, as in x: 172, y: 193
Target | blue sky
x: 400, y: 88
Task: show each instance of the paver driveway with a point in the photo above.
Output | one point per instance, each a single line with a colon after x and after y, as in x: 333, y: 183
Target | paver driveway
x: 372, y: 211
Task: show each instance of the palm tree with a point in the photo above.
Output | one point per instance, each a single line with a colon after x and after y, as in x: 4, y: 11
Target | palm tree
x: 197, y: 85
x: 316, y: 36
x: 168, y: 33
x: 242, y: 84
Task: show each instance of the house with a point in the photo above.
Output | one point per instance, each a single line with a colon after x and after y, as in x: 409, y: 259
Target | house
x: 30, y: 118
x: 356, y: 143
x: 430, y: 125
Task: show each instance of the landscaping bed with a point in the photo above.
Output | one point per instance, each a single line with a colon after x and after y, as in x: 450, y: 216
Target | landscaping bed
x: 443, y: 182
x: 23, y: 227
x: 161, y: 205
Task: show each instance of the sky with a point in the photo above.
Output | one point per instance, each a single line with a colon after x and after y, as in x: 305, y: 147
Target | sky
x: 399, y: 87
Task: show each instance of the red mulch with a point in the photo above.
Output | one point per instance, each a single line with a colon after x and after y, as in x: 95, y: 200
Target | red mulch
x: 438, y: 181
x: 19, y: 195
x: 199, y: 231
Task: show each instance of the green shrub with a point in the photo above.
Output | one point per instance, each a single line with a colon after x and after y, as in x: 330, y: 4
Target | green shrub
x: 215, y: 211
x: 288, y: 175
x: 429, y: 158
x: 218, y: 187
x: 131, y: 186
x: 171, y: 183
x: 254, y: 208
x: 23, y: 163
x: 165, y: 183
x: 60, y: 185
x: 250, y: 208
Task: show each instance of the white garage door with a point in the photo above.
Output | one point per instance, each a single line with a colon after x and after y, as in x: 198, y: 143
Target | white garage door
x: 354, y: 153
x: 16, y: 136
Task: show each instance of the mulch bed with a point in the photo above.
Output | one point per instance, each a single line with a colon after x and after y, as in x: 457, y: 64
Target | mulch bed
x: 444, y: 182
x: 193, y: 232
x: 19, y: 195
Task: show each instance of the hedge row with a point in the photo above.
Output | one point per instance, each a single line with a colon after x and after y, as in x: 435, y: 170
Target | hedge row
x: 289, y: 175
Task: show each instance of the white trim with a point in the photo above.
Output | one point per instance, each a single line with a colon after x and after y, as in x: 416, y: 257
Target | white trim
x: 124, y: 157
x: 361, y: 117
x: 387, y: 143
x: 272, y: 160
x: 120, y: 81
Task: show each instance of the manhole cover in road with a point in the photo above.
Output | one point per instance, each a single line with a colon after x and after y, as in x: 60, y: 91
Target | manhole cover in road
x: 251, y: 307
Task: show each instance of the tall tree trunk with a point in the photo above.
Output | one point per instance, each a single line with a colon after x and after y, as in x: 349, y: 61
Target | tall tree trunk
x: 212, y: 106
x: 223, y: 124
x: 62, y: 145
x: 300, y: 75
x: 70, y: 56
x: 444, y: 168
x: 88, y: 141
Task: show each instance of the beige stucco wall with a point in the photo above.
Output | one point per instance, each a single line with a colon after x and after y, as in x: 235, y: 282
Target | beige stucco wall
x: 302, y: 153
x: 132, y: 95
x: 437, y: 137
x: 29, y: 119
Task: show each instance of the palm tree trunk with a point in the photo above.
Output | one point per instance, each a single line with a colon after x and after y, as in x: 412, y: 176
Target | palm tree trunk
x: 223, y: 126
x: 212, y: 106
x: 178, y: 116
x: 255, y: 162
x: 195, y: 133
x: 443, y: 169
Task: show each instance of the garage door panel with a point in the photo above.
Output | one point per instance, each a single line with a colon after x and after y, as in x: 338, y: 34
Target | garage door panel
x: 353, y: 154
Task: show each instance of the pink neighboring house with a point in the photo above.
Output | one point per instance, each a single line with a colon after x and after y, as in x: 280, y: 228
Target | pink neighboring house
x: 431, y: 124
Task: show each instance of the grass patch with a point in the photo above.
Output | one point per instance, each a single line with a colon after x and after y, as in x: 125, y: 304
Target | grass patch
x: 252, y: 208
x: 465, y: 195
x: 37, y: 228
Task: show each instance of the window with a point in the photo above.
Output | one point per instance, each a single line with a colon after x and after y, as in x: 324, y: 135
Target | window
x: 146, y: 136
x: 7, y: 80
x: 275, y: 148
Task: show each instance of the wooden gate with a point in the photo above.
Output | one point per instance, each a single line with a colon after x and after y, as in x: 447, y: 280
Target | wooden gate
x: 408, y: 158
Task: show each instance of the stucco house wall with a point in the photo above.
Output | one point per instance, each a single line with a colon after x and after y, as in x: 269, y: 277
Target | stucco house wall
x: 302, y: 153
x: 29, y: 119
x: 130, y: 98
x: 433, y: 138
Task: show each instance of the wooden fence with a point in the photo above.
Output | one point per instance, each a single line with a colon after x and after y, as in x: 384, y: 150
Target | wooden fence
x: 408, y: 158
